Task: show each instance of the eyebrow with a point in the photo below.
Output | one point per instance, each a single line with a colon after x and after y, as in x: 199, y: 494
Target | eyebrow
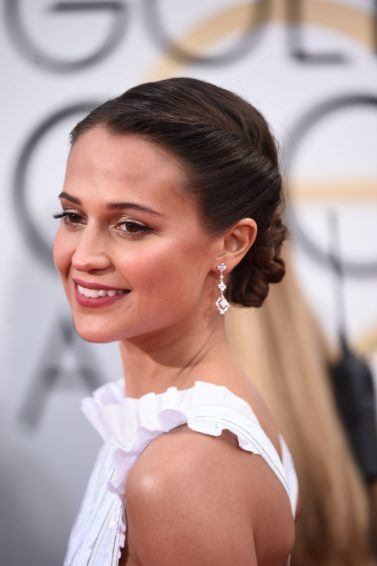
x: 114, y: 205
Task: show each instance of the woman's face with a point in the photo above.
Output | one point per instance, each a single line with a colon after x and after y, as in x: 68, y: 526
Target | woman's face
x: 153, y: 244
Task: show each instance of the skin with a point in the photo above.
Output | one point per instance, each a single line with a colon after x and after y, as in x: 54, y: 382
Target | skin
x: 161, y: 340
x: 199, y: 500
x: 169, y: 333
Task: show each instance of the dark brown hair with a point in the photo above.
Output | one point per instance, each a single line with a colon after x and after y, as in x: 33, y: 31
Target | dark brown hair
x: 230, y: 160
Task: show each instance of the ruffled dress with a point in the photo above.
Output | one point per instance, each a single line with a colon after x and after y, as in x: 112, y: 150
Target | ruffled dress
x: 127, y: 425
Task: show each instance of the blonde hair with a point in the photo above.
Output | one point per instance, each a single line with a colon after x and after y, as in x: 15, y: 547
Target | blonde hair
x: 284, y: 351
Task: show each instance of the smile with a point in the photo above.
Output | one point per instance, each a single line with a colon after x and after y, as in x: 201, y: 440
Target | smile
x: 95, y: 293
x: 98, y: 297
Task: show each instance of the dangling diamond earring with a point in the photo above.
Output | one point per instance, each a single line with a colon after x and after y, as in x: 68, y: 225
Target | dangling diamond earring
x: 221, y: 303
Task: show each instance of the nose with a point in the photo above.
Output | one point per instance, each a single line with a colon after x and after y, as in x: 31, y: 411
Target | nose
x: 90, y: 252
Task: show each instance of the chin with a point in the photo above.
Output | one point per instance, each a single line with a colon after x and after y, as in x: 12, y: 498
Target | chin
x: 95, y: 335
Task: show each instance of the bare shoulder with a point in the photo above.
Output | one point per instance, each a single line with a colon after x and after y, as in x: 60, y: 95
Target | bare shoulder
x: 193, y: 498
x: 184, y: 505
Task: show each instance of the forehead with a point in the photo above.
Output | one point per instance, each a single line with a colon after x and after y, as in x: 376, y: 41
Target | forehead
x: 114, y: 165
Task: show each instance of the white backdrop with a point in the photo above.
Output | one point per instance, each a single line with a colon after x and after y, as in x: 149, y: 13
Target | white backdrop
x: 312, y: 74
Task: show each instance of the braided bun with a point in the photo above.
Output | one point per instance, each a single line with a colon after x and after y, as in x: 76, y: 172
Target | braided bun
x: 262, y: 265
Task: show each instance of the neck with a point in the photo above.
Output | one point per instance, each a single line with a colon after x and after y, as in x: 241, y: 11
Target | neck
x: 175, y: 356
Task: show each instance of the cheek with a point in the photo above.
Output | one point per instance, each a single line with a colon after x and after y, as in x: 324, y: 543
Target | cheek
x: 170, y: 270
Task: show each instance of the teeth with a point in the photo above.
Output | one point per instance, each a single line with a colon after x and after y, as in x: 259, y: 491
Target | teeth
x: 95, y: 293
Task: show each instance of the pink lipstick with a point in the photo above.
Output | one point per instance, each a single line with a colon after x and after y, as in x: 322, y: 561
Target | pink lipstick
x: 102, y: 300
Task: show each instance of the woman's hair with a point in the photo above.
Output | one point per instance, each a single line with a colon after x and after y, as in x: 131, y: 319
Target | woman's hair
x: 230, y: 161
x: 291, y: 371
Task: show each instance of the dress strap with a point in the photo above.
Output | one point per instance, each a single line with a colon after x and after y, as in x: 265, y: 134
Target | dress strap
x: 129, y: 424
x: 213, y: 419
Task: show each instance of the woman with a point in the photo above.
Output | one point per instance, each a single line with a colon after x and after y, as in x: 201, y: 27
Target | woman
x: 171, y: 214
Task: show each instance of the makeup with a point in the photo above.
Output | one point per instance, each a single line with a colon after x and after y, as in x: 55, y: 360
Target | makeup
x: 95, y: 302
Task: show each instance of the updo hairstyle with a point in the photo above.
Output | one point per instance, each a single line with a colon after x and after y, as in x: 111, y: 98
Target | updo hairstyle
x: 230, y: 159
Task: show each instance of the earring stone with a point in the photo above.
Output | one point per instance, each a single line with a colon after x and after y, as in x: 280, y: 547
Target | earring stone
x: 221, y: 302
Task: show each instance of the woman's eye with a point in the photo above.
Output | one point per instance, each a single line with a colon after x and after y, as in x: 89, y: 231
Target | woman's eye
x: 69, y: 217
x: 133, y: 228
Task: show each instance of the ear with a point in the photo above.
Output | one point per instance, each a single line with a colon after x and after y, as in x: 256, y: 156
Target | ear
x: 236, y: 242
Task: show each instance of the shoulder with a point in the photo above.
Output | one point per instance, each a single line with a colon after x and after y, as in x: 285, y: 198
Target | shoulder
x: 188, y: 496
x: 184, y: 505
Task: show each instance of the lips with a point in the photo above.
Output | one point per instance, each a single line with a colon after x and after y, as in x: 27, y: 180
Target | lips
x: 96, y: 293
x: 98, y: 286
x: 99, y: 301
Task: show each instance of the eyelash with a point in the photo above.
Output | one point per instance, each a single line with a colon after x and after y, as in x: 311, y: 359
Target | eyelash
x: 142, y: 228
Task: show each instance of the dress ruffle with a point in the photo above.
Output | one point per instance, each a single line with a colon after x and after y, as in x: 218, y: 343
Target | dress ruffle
x: 127, y: 425
x: 130, y: 424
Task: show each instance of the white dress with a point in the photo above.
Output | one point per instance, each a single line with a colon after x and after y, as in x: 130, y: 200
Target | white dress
x: 127, y: 425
